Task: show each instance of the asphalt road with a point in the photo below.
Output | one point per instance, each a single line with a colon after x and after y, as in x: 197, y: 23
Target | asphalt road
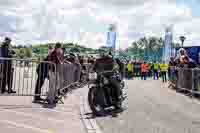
x: 154, y: 108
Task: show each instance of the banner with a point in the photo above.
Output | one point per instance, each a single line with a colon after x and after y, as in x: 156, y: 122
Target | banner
x: 167, y: 51
x: 193, y: 52
x: 111, y: 39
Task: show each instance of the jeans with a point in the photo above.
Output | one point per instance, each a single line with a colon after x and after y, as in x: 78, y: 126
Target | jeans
x: 155, y: 76
x: 164, y: 76
x: 7, y: 79
x: 129, y: 74
x: 144, y: 76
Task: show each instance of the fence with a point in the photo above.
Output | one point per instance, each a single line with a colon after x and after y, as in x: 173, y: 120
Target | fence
x: 32, y: 78
x: 187, y: 79
x: 21, y: 78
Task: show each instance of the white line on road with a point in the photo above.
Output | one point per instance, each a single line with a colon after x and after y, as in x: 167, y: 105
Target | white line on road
x: 32, y: 115
x: 91, y: 124
x: 26, y: 126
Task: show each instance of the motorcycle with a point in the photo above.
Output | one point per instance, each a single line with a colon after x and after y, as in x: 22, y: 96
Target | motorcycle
x: 99, y: 101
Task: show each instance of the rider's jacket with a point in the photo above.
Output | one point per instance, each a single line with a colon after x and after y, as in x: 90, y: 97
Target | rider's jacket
x: 105, y: 63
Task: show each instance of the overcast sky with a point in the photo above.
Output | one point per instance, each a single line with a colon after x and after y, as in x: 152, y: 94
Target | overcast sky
x: 87, y: 21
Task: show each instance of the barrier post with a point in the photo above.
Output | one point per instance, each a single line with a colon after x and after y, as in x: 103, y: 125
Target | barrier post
x: 193, y: 81
x: 53, y: 83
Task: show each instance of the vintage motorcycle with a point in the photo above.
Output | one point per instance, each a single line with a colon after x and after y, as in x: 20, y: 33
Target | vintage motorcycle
x: 98, y: 84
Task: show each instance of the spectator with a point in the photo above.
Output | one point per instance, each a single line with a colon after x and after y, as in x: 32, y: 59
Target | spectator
x: 155, y: 70
x: 42, y: 72
x: 189, y: 63
x: 171, y: 69
x: 138, y: 69
x: 50, y: 49
x: 7, y: 66
x: 151, y: 69
x: 144, y: 70
x: 121, y: 66
x: 130, y: 69
x: 57, y: 55
x: 163, y: 70
x: 180, y: 57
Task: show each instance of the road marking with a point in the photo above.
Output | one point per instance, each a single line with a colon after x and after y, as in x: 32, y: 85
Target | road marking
x: 90, y: 124
x: 33, y: 116
x: 26, y: 126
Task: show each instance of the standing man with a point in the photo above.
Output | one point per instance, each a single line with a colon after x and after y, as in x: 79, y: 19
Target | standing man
x: 130, y: 69
x: 155, y: 71
x: 144, y: 70
x: 163, y: 70
x: 57, y: 57
x: 7, y: 69
x: 50, y: 49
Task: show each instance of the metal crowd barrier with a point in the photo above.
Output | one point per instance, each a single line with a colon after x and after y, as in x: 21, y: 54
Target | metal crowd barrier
x: 28, y: 77
x: 64, y: 77
x: 22, y: 75
x: 189, y: 80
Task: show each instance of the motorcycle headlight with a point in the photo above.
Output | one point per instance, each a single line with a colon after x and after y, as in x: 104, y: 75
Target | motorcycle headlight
x: 92, y: 76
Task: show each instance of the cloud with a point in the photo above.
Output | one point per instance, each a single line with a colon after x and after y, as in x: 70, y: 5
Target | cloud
x: 87, y: 21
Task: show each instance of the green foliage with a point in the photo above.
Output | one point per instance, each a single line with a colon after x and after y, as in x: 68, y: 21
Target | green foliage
x: 146, y: 48
x: 20, y: 53
x: 75, y: 50
x: 28, y: 52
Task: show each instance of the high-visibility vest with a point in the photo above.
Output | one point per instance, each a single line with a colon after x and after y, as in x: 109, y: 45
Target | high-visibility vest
x: 155, y: 66
x: 144, y: 68
x: 163, y: 67
x: 130, y: 67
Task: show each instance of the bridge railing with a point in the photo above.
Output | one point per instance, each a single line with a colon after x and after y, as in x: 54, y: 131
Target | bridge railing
x: 187, y: 79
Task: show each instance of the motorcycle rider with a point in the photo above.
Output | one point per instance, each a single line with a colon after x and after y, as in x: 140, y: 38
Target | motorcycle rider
x: 107, y: 63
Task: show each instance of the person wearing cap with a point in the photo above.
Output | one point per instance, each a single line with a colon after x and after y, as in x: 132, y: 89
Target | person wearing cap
x: 7, y: 80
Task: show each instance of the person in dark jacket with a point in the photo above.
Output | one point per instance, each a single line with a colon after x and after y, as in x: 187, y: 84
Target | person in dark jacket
x: 7, y: 66
x: 106, y: 63
x: 42, y: 72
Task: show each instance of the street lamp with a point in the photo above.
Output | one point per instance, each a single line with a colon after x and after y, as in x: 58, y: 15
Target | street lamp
x: 182, y: 39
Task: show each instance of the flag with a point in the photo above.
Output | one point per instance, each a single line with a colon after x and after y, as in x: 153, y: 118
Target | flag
x: 111, y: 39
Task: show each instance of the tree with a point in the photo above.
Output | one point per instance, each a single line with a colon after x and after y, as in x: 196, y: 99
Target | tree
x: 28, y: 52
x: 36, y: 50
x: 148, y: 47
x: 19, y: 46
x: 20, y: 53
x: 75, y: 50
x: 135, y: 46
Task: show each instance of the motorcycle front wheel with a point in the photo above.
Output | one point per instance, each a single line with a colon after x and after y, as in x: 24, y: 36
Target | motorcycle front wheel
x: 96, y: 101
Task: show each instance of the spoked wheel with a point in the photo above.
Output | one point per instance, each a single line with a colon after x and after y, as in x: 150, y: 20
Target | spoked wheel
x: 96, y: 101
